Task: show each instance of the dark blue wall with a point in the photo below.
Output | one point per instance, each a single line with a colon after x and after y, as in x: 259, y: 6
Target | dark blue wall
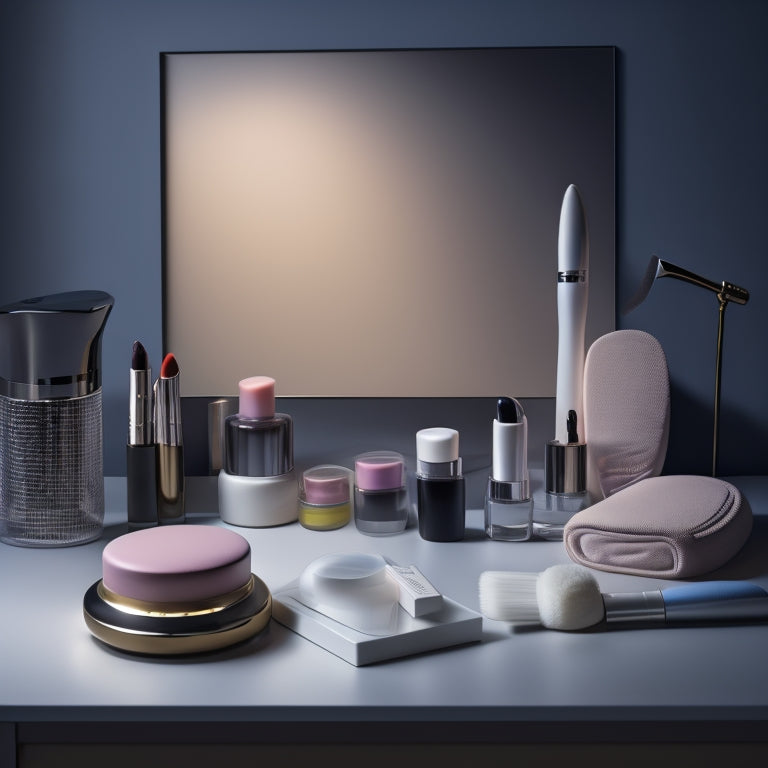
x: 80, y: 173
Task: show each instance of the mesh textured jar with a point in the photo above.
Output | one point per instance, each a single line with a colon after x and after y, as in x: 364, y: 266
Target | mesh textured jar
x: 51, y: 458
x: 51, y: 475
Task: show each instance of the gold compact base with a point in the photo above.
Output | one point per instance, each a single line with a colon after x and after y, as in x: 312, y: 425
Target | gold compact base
x: 171, y: 645
x: 155, y: 635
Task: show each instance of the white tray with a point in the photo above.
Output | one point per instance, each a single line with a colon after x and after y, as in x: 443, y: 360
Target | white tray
x: 452, y: 625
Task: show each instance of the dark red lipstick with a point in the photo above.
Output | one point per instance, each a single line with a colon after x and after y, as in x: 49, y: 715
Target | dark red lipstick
x: 170, y: 450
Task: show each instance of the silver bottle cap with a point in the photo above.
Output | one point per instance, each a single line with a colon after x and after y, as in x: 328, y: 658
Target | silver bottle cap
x: 50, y: 346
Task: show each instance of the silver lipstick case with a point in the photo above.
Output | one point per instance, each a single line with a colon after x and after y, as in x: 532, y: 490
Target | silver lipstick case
x: 170, y: 452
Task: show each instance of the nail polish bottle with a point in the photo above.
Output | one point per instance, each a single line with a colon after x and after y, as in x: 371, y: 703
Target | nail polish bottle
x: 508, y: 503
x: 381, y: 496
x: 565, y: 482
x: 258, y: 485
x: 325, y: 501
x: 439, y: 485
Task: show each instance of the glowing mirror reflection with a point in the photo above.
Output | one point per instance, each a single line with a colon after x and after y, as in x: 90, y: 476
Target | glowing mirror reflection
x: 381, y: 223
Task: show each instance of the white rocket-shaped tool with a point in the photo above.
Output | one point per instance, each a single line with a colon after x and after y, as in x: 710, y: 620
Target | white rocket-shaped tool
x: 572, y: 295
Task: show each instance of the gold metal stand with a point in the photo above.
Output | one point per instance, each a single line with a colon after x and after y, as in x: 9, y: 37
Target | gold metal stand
x: 725, y: 292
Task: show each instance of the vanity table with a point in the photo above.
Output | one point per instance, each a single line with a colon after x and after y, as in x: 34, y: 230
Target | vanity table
x: 61, y: 688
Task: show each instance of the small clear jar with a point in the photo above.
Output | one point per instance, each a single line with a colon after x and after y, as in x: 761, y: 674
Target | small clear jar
x: 381, y: 496
x: 325, y: 499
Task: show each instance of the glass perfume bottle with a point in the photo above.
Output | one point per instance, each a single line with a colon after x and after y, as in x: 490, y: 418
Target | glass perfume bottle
x: 258, y: 485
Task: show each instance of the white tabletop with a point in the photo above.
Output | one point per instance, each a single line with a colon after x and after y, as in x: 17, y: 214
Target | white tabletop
x: 53, y: 670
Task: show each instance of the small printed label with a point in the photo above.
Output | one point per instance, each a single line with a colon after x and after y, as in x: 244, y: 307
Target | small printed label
x: 413, y: 579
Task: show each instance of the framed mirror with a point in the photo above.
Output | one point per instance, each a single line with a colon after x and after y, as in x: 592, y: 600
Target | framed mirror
x: 381, y: 223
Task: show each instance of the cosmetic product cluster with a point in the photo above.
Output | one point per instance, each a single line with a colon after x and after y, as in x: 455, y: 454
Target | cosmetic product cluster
x: 180, y: 589
x: 171, y: 590
x: 251, y: 449
x: 258, y: 485
x: 155, y: 450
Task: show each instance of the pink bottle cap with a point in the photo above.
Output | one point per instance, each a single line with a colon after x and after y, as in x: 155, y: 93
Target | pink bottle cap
x: 326, y: 484
x: 257, y: 397
x: 176, y: 563
x: 379, y: 471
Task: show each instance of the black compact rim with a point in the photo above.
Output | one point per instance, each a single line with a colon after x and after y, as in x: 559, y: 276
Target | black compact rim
x: 224, y: 620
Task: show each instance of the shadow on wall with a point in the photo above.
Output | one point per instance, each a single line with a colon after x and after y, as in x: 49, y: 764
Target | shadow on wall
x: 692, y: 431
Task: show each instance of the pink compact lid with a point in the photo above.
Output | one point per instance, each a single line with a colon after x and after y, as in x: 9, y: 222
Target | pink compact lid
x: 257, y: 397
x: 326, y: 484
x: 177, y: 563
x: 379, y: 471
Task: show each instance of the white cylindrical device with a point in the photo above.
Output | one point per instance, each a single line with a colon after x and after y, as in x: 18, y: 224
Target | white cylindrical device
x: 572, y: 298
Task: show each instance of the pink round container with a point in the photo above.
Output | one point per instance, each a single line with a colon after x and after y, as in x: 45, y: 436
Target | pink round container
x: 176, y: 563
x: 177, y: 590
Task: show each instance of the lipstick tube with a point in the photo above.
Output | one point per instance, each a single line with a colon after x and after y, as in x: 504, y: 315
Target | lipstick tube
x: 170, y: 450
x: 508, y: 503
x: 258, y: 486
x: 140, y: 451
x: 439, y: 485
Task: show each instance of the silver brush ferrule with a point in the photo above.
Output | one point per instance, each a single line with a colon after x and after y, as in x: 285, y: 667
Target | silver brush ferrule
x: 634, y: 607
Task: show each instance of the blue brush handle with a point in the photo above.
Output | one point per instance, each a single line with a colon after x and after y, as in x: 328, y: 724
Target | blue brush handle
x: 715, y: 601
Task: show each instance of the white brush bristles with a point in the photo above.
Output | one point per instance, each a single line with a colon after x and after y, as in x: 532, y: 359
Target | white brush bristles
x: 565, y: 597
x: 569, y: 597
x: 509, y: 596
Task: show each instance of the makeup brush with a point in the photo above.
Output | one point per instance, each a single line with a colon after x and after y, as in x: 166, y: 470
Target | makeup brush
x: 567, y: 597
